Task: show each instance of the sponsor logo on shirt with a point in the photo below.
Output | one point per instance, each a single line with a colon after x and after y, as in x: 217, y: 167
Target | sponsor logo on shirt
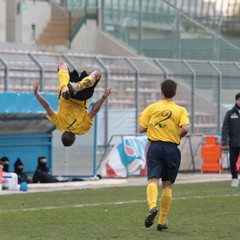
x: 234, y: 115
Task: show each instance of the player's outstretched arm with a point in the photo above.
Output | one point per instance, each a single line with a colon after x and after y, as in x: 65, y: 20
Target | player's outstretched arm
x: 106, y: 93
x: 96, y: 107
x: 42, y: 100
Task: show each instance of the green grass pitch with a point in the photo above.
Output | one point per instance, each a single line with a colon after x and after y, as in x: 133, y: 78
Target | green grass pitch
x: 200, y: 211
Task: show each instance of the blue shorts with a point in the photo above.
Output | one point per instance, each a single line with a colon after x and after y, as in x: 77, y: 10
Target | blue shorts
x: 163, y: 161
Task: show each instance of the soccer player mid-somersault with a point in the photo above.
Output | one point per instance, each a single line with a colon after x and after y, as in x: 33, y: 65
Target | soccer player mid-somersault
x: 74, y: 93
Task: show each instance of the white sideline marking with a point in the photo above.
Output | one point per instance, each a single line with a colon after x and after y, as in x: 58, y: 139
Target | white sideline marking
x: 109, y: 203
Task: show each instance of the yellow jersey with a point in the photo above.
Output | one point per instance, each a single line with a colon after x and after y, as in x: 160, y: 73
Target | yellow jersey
x: 72, y: 114
x: 163, y: 120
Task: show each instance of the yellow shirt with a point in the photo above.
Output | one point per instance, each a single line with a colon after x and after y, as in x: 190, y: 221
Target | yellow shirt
x: 163, y: 120
x: 72, y: 114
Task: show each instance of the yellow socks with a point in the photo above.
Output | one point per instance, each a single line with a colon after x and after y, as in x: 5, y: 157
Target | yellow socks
x: 63, y: 78
x: 152, y: 193
x: 165, y: 201
x: 165, y: 204
x: 85, y: 83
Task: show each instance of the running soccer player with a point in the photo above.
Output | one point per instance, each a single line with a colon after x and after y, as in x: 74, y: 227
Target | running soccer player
x: 165, y: 123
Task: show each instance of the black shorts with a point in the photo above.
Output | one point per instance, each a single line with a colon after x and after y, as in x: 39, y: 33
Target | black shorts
x: 163, y: 161
x: 85, y: 93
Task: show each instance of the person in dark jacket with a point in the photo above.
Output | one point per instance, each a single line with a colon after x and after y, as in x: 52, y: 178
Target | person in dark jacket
x: 18, y: 169
x: 41, y: 174
x: 231, y: 137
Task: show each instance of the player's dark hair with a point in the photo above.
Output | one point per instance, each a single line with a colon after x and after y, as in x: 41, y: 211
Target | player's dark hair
x: 68, y: 138
x: 169, y: 88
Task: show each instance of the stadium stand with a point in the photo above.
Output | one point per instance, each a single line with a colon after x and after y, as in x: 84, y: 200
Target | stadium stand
x: 206, y: 83
x: 127, y: 84
x: 220, y: 16
x: 188, y: 39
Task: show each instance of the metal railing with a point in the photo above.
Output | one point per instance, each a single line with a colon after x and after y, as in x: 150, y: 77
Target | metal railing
x: 205, y: 88
x: 78, y: 11
x: 212, y: 13
x: 157, y: 29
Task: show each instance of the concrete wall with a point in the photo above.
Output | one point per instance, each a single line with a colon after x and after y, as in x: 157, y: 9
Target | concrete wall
x: 91, y: 40
x: 86, y: 39
x: 24, y: 20
x: 2, y: 20
x: 35, y: 15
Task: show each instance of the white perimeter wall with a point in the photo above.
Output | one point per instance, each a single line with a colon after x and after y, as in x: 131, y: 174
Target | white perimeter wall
x: 90, y: 39
x: 17, y: 18
x: 2, y: 20
x: 34, y: 12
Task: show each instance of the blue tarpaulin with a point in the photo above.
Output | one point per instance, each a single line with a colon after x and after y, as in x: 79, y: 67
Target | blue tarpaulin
x: 13, y: 102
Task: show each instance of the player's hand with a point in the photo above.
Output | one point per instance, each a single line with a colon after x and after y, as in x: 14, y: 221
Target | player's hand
x: 35, y: 86
x: 106, y: 93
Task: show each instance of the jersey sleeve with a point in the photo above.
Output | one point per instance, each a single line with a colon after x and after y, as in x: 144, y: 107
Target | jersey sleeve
x: 53, y: 118
x: 184, y: 118
x: 144, y: 118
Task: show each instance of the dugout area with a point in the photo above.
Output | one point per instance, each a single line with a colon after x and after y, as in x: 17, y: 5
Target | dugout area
x: 26, y: 133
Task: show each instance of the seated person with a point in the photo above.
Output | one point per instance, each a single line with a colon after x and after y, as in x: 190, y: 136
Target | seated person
x: 18, y: 169
x: 10, y: 181
x: 41, y: 174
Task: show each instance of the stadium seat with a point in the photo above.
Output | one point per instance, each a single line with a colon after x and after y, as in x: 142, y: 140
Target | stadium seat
x: 121, y: 103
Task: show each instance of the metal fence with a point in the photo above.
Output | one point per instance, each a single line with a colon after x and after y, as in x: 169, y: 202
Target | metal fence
x: 205, y: 88
x: 157, y: 29
x: 77, y: 4
x: 219, y: 14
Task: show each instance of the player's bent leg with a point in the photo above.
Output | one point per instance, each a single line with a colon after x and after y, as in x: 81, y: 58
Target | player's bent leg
x: 95, y: 75
x: 63, y: 77
x: 65, y: 93
x: 87, y: 82
x: 86, y: 93
x: 73, y: 88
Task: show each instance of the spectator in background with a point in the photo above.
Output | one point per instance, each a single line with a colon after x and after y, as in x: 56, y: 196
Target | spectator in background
x: 18, y: 169
x: 231, y: 137
x: 5, y: 161
x: 41, y: 174
x: 10, y: 179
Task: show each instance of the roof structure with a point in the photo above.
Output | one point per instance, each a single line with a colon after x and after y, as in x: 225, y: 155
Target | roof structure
x: 21, y: 113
